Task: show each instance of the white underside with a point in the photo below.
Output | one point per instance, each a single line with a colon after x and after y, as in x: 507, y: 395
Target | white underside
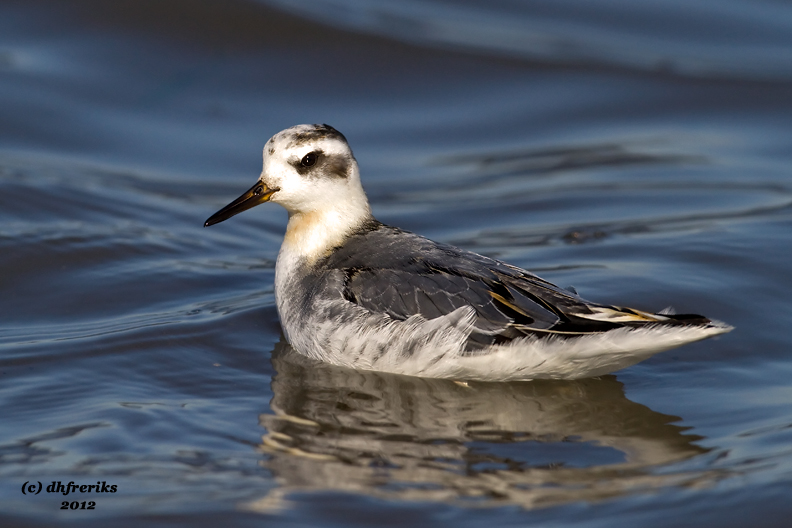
x: 435, y: 348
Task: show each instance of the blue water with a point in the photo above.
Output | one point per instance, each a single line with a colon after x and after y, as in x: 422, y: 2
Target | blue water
x: 638, y: 151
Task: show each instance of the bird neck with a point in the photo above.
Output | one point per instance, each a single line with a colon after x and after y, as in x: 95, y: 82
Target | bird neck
x: 313, y: 234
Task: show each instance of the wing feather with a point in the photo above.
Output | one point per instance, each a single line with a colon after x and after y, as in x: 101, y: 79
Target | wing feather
x: 401, y: 274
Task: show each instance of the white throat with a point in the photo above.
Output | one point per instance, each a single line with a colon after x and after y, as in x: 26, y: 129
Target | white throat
x: 312, y: 235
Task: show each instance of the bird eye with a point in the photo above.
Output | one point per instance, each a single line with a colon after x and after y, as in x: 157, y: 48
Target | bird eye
x: 309, y: 159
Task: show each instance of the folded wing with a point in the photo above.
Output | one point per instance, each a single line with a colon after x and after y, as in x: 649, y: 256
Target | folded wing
x: 401, y: 274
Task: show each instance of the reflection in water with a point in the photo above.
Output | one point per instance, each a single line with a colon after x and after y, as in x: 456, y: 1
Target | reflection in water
x: 529, y: 443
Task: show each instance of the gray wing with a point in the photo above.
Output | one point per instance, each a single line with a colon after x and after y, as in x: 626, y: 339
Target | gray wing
x: 401, y: 274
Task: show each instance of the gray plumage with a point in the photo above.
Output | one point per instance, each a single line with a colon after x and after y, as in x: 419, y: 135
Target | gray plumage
x: 400, y: 274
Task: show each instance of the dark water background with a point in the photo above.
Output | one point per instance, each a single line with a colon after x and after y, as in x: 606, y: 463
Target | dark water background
x: 640, y: 151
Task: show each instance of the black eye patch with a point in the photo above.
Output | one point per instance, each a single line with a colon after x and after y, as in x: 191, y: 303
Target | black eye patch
x: 337, y: 166
x: 317, y: 164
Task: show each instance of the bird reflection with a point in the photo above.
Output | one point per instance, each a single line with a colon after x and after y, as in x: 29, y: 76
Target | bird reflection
x: 532, y: 444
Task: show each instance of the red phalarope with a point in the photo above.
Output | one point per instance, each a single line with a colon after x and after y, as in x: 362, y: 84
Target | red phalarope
x: 354, y: 292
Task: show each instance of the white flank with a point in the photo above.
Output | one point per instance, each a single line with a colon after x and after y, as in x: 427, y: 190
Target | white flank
x: 435, y: 348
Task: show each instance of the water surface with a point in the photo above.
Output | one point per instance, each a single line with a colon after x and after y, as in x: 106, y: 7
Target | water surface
x: 640, y: 153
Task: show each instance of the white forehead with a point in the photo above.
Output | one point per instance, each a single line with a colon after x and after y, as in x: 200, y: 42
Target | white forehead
x: 302, y: 139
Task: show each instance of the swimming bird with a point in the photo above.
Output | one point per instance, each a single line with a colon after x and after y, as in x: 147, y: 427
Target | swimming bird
x: 355, y: 292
